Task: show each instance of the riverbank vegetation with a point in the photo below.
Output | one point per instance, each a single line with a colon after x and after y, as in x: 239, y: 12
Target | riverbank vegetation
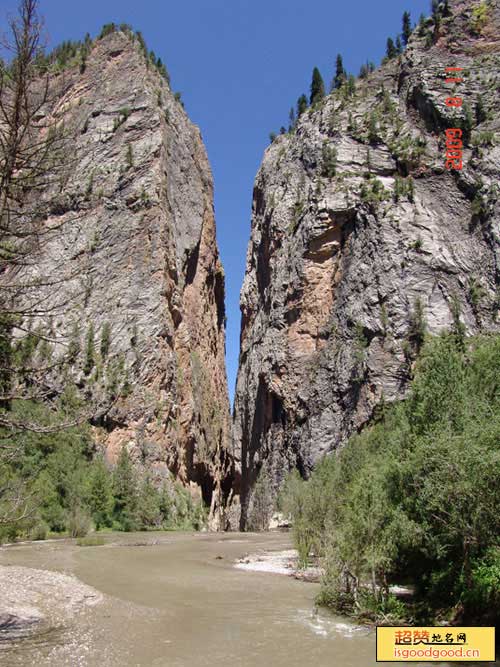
x: 414, y: 497
x: 67, y: 488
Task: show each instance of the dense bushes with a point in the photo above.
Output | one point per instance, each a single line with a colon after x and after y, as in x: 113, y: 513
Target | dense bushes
x: 415, y: 496
x: 67, y: 488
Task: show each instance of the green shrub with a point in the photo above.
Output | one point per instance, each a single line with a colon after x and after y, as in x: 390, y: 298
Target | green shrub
x: 79, y: 523
x: 416, y: 494
x: 481, y: 593
x: 480, y: 15
x: 39, y: 531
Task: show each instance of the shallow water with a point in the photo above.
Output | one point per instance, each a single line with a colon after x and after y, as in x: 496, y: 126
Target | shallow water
x: 181, y: 602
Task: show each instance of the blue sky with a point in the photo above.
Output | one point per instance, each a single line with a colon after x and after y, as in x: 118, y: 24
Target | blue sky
x: 240, y: 65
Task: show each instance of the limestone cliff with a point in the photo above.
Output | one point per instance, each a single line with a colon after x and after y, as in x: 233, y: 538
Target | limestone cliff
x: 360, y: 240
x: 145, y: 318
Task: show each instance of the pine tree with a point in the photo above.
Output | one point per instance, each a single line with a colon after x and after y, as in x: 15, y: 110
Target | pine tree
x: 301, y: 105
x: 467, y: 123
x: 105, y: 339
x: 74, y: 347
x: 373, y: 134
x: 149, y: 506
x: 391, y: 51
x: 366, y: 69
x: 422, y: 25
x: 291, y: 118
x: 125, y: 492
x: 317, y: 87
x: 166, y: 505
x: 351, y: 85
x: 89, y: 351
x: 100, y: 496
x: 399, y: 45
x: 480, y: 111
x: 340, y: 73
x: 406, y: 28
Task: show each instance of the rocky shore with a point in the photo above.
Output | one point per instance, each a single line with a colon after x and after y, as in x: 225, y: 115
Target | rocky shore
x: 35, y: 604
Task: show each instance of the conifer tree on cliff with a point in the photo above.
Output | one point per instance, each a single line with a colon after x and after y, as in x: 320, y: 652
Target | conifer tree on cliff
x: 406, y: 28
x: 317, y: 87
x: 391, y: 50
x: 301, y: 105
x: 340, y: 73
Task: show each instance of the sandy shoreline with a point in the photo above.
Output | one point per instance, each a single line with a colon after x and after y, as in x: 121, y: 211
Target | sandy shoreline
x: 286, y: 563
x: 279, y: 562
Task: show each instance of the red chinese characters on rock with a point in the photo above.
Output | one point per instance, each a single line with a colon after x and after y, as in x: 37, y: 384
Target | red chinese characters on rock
x: 454, y: 144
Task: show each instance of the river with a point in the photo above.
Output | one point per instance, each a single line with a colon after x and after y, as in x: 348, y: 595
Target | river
x: 176, y: 600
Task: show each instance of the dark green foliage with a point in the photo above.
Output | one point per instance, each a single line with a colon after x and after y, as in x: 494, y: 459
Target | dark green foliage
x: 480, y: 111
x: 69, y: 487
x: 123, y: 114
x: 422, y: 27
x: 391, y: 50
x: 125, y: 491
x: 437, y: 27
x: 373, y: 192
x: 467, y: 123
x: 366, y: 69
x: 399, y: 45
x: 107, y: 29
x: 292, y: 120
x: 100, y: 498
x: 317, y: 87
x: 373, y: 128
x: 418, y: 325
x: 406, y: 29
x: 89, y: 351
x: 328, y: 160
x: 415, y: 496
x: 272, y: 137
x: 350, y: 87
x: 340, y: 73
x: 149, y: 512
x: 301, y: 105
x: 403, y: 187
x: 458, y: 328
x: 74, y: 347
x: 105, y: 339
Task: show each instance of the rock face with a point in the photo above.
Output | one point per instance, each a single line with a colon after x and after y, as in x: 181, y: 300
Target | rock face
x: 145, y: 310
x: 360, y: 240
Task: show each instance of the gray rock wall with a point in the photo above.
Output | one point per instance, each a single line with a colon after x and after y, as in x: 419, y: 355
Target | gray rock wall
x: 138, y: 243
x: 339, y: 265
